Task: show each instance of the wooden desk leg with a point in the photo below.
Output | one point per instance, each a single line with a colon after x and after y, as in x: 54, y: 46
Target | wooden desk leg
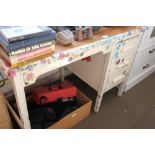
x: 62, y: 74
x: 98, y: 102
x: 121, y: 88
x: 103, y: 82
x: 18, y: 86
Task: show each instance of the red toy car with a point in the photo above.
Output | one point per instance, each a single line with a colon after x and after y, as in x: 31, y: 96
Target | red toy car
x: 44, y: 95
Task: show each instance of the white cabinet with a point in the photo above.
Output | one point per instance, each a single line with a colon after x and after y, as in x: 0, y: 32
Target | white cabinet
x: 144, y: 63
x: 143, y: 66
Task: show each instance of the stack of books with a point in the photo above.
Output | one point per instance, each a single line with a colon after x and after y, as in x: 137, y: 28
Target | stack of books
x: 21, y: 45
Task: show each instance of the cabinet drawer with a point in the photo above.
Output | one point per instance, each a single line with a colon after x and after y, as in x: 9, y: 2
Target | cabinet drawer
x: 142, y: 67
x: 6, y: 125
x: 126, y: 45
x: 129, y: 43
x: 124, y: 54
x: 123, y: 62
x: 144, y: 55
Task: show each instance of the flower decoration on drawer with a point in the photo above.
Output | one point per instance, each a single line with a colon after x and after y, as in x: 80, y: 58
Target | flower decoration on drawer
x: 29, y: 77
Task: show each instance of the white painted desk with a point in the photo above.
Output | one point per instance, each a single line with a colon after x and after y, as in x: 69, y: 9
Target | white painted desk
x: 27, y: 75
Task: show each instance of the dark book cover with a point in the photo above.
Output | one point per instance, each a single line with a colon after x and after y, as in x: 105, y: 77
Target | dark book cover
x: 17, y: 33
x: 24, y: 43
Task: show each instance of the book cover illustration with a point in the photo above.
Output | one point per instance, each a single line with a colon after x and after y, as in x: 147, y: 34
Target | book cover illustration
x: 16, y: 33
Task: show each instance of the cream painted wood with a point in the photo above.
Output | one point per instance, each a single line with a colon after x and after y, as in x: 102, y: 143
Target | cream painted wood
x: 102, y: 84
x: 119, y: 72
x: 130, y: 52
x: 18, y: 86
x: 94, y: 73
x: 61, y: 63
x: 90, y: 72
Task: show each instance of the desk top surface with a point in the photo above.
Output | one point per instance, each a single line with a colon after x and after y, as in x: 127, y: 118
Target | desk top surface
x: 109, y: 31
x: 71, y: 55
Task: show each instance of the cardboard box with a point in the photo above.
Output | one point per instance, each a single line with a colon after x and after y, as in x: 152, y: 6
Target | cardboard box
x: 77, y: 115
x: 5, y: 121
x: 6, y: 125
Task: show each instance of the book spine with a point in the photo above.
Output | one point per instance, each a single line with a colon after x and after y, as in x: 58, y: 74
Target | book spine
x: 10, y: 40
x: 23, y: 63
x: 30, y: 42
x: 31, y: 55
x: 31, y: 48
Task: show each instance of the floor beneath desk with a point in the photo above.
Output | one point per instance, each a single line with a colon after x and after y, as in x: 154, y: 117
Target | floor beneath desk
x: 135, y: 109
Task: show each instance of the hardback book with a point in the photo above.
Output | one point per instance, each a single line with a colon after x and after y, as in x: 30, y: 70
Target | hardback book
x: 26, y: 62
x: 30, y: 48
x: 24, y: 43
x: 18, y: 60
x: 29, y: 61
x: 17, y: 33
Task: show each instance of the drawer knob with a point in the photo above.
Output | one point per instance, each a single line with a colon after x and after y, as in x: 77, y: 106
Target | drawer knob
x: 146, y: 66
x: 151, y: 51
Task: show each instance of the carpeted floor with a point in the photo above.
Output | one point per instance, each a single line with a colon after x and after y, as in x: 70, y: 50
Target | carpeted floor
x: 135, y: 109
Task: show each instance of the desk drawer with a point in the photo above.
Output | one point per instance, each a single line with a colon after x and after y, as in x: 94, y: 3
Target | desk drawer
x: 131, y: 42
